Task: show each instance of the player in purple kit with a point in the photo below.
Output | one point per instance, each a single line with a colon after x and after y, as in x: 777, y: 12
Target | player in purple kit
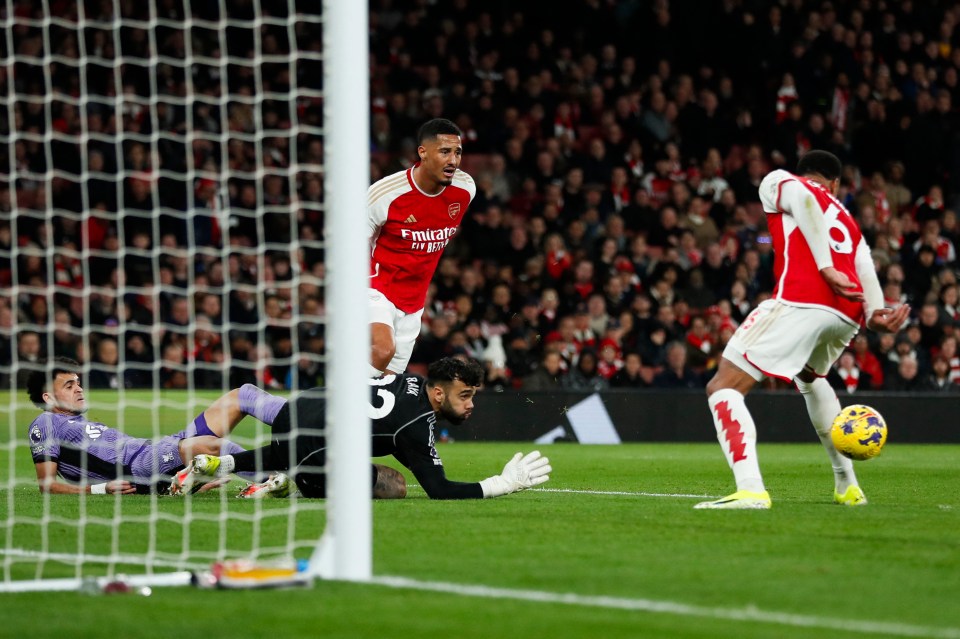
x: 102, y: 460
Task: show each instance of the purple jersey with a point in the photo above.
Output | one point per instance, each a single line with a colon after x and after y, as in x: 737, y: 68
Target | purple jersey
x: 96, y: 452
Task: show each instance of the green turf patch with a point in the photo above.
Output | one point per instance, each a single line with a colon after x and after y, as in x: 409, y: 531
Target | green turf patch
x: 614, y: 522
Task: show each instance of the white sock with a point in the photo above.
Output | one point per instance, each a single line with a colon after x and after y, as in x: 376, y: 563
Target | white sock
x: 737, y: 435
x: 823, y: 406
x: 227, y: 464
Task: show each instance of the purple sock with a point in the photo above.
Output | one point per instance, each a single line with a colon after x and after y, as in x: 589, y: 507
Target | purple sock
x: 228, y: 447
x: 260, y: 404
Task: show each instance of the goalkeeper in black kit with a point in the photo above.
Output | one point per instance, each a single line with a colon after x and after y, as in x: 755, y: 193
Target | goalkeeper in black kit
x: 404, y: 410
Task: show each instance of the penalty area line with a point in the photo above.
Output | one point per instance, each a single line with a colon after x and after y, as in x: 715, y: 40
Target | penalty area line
x: 745, y: 613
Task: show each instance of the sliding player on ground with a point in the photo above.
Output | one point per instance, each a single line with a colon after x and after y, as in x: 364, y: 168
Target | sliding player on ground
x: 404, y: 411
x: 97, y: 459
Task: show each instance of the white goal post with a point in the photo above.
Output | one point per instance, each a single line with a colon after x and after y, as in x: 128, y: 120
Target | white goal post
x: 347, y: 549
x: 169, y: 182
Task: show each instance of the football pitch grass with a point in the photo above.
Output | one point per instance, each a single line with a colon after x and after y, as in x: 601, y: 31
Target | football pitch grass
x: 611, y: 547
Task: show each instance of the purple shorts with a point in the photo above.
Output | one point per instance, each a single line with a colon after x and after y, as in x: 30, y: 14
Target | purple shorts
x: 159, y: 459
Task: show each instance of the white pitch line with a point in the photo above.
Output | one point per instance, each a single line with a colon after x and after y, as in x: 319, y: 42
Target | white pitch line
x: 619, y: 492
x: 608, y: 492
x: 746, y: 613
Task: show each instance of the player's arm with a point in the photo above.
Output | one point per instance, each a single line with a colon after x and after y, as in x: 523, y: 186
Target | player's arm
x: 49, y: 482
x: 880, y: 319
x: 799, y: 203
x: 521, y: 472
x: 434, y: 482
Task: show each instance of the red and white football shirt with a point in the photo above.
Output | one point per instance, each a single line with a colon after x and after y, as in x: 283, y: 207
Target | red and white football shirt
x: 409, y: 230
x: 799, y: 282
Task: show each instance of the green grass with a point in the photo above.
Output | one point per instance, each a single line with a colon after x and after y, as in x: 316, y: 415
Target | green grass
x: 897, y: 561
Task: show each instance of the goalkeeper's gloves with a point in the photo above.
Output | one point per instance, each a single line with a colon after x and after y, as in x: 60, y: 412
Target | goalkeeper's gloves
x: 519, y: 473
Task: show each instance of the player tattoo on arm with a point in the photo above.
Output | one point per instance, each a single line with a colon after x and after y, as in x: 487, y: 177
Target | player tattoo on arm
x: 390, y: 483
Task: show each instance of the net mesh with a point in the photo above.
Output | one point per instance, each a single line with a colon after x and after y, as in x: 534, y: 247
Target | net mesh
x: 161, y: 223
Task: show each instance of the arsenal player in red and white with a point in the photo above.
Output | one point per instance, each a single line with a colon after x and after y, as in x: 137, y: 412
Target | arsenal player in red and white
x: 826, y: 287
x: 412, y: 215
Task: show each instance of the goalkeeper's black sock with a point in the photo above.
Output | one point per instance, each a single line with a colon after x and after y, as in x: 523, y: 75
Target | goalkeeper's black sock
x: 250, y: 461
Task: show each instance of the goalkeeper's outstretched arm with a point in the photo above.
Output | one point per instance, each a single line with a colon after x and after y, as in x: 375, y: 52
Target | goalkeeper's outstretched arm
x: 520, y: 473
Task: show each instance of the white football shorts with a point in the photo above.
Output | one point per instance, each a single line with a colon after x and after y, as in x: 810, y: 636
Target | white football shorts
x: 778, y: 340
x: 406, y: 327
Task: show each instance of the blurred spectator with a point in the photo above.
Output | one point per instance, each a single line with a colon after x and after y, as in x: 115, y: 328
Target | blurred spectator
x: 931, y: 331
x: 846, y: 375
x: 949, y: 308
x: 701, y: 344
x: 585, y: 376
x: 867, y: 362
x: 653, y: 345
x: 29, y: 350
x: 173, y: 371
x: 949, y: 351
x: 676, y: 373
x: 939, y: 378
x: 906, y: 376
x: 433, y: 345
x: 548, y: 375
x: 631, y: 375
x: 610, y: 360
x: 609, y: 162
x: 103, y: 367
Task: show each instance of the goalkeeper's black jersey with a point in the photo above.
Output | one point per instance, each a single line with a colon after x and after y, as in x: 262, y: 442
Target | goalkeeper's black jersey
x: 402, y: 422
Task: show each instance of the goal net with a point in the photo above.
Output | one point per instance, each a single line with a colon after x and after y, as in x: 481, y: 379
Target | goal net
x: 178, y: 214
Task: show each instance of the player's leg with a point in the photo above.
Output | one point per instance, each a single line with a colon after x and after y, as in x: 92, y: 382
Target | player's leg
x: 198, y: 460
x: 223, y: 415
x: 212, y: 457
x: 736, y: 433
x: 772, y: 343
x: 823, y: 406
x: 388, y: 483
x: 201, y: 444
x: 285, y: 445
x: 407, y: 330
x: 297, y: 445
x: 382, y: 347
x: 383, y: 344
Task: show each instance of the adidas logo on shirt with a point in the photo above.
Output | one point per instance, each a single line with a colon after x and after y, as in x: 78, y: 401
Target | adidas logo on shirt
x: 410, y: 220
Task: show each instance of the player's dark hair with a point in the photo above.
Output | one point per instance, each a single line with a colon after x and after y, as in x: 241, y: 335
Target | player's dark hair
x: 39, y: 378
x: 438, y: 126
x: 450, y: 369
x: 820, y: 163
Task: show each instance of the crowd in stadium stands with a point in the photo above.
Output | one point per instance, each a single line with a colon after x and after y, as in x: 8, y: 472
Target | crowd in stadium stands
x: 616, y: 239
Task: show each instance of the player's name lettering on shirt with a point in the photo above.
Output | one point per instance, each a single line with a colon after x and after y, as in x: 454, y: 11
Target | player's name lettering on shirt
x: 413, y: 386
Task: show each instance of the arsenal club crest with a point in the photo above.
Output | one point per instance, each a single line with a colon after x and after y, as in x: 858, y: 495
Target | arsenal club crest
x: 454, y: 210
